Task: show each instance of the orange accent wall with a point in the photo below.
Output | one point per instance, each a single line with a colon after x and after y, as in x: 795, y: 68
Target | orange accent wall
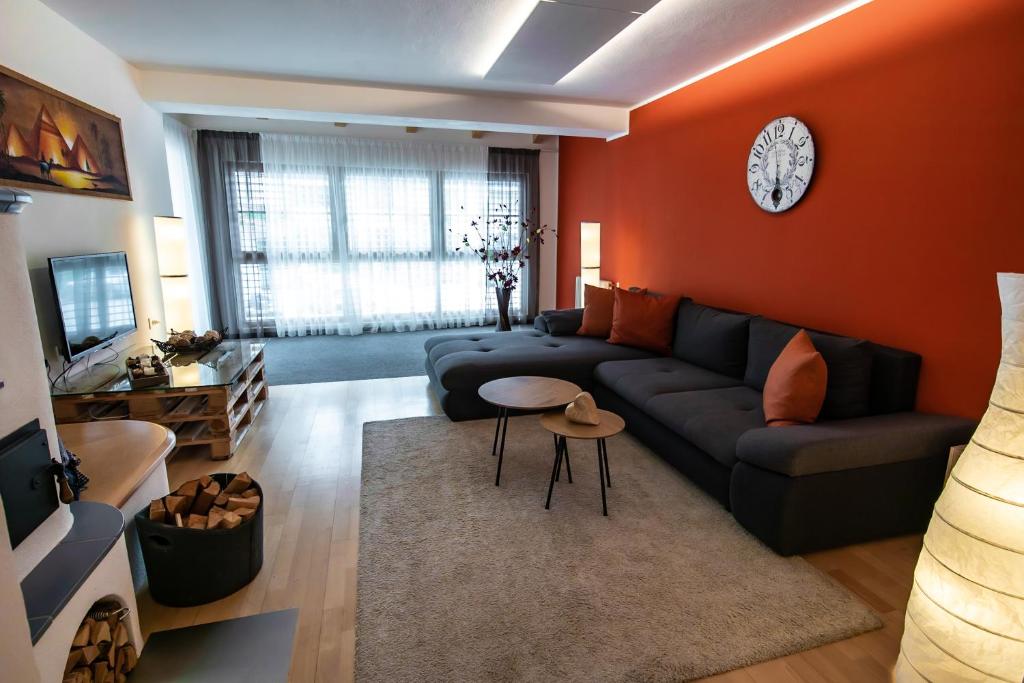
x: 917, y: 112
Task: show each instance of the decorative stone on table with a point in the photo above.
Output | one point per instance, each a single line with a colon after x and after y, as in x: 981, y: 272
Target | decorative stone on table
x: 583, y: 410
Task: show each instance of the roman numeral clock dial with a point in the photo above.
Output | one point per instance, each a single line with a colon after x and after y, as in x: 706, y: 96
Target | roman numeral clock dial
x: 780, y: 165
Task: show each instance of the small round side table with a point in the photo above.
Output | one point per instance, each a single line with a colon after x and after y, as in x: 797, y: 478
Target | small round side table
x: 559, y: 425
x: 527, y: 393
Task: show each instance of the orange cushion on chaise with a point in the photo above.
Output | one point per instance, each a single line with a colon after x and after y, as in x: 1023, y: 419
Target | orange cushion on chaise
x: 643, y: 321
x: 598, y: 303
x: 795, y: 389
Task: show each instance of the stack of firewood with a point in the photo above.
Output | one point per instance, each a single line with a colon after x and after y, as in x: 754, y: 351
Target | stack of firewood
x: 100, y: 652
x: 201, y: 504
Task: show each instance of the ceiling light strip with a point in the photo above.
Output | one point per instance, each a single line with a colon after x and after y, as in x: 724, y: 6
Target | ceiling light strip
x: 834, y: 14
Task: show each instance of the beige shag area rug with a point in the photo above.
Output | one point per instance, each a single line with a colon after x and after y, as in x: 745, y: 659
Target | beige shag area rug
x: 463, y: 581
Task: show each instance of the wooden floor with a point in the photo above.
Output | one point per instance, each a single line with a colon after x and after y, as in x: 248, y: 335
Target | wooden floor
x: 305, y: 451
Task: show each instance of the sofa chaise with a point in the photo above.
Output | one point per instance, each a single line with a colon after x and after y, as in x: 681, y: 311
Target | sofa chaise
x: 871, y: 467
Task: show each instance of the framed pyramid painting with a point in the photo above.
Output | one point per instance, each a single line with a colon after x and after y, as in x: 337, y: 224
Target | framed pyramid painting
x: 49, y: 141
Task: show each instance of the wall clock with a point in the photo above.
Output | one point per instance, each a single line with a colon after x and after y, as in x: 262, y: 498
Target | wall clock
x: 780, y: 165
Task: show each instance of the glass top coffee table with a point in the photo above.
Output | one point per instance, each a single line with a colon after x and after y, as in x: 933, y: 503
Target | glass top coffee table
x: 209, y: 400
x: 527, y: 393
x: 220, y: 366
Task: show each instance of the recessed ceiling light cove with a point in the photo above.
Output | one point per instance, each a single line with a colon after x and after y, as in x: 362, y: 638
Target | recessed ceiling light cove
x: 558, y: 36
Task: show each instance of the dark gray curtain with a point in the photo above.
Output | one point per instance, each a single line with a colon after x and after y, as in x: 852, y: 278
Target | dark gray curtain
x: 513, y: 177
x: 231, y: 186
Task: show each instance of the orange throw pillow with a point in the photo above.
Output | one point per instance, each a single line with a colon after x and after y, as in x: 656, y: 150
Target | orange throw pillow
x: 643, y: 321
x: 795, y: 388
x: 597, y: 312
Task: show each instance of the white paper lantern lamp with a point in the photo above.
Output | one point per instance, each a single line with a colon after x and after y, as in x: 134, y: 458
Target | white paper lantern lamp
x: 965, y: 617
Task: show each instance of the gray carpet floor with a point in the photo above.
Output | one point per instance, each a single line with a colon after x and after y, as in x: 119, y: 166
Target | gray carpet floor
x: 459, y: 580
x: 332, y: 358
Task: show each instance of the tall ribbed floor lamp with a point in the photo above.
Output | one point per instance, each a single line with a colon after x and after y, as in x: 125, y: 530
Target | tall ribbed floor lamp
x: 965, y: 618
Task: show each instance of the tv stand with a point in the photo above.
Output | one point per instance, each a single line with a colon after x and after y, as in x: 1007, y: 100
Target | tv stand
x: 210, y: 403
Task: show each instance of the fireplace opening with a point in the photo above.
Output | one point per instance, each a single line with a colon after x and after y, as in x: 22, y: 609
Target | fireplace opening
x: 102, y: 650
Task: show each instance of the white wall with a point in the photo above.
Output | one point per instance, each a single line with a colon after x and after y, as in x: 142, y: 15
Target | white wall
x: 40, y: 44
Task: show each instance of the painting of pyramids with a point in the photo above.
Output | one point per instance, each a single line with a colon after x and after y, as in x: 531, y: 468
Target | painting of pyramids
x: 49, y: 141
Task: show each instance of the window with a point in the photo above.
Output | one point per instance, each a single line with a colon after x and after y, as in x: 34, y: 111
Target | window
x: 249, y: 212
x: 388, y: 214
x: 388, y: 228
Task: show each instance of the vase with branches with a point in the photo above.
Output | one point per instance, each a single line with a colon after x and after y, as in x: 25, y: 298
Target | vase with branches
x: 502, y: 243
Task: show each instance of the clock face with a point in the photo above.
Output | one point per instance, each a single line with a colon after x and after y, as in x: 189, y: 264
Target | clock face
x: 780, y: 165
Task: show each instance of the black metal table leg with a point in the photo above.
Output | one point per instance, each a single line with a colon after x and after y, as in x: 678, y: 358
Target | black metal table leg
x: 501, y: 449
x: 565, y: 456
x: 554, y: 470
x: 497, y: 428
x: 600, y: 469
x: 607, y: 470
x: 558, y: 451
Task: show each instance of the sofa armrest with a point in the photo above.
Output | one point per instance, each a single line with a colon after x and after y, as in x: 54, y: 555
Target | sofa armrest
x: 559, y: 323
x: 838, y: 445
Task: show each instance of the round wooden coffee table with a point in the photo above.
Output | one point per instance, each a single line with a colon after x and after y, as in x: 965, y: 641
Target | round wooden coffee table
x: 527, y: 393
x: 559, y: 425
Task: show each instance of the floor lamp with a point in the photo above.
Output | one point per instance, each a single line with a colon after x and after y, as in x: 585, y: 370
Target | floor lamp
x: 965, y: 618
x: 172, y: 260
x: 590, y: 258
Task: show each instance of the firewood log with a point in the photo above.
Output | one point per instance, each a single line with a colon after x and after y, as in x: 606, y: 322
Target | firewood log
x: 216, y: 516
x: 178, y: 522
x: 249, y: 493
x: 82, y: 636
x: 245, y: 513
x: 89, y: 654
x: 205, y: 499
x: 235, y: 503
x: 189, y: 489
x: 111, y: 655
x: 100, y: 633
x: 197, y: 521
x: 99, y: 671
x: 241, y: 482
x: 177, y: 505
x: 222, y: 500
x: 131, y: 658
x: 80, y: 675
x: 205, y: 481
x: 120, y: 634
x: 158, y: 511
x: 231, y: 520
x: 74, y: 659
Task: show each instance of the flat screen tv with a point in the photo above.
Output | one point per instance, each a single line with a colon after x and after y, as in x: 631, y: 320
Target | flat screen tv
x: 94, y: 301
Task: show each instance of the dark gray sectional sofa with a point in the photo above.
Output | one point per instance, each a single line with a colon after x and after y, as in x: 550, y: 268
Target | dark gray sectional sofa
x: 870, y: 468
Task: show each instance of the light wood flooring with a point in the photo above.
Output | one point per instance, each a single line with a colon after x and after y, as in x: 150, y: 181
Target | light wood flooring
x: 305, y: 451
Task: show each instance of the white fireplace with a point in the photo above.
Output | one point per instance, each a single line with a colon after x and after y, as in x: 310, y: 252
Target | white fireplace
x: 24, y: 396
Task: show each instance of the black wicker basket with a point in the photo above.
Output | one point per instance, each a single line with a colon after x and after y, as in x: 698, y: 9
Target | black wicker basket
x: 188, y: 567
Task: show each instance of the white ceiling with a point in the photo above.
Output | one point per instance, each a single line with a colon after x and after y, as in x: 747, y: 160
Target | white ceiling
x: 443, y: 44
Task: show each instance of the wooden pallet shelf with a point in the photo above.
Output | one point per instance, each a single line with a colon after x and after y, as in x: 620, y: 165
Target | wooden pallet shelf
x: 216, y: 418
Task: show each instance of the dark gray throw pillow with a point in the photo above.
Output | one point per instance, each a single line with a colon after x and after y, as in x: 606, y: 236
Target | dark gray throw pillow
x: 848, y: 392
x: 712, y: 338
x: 563, y: 322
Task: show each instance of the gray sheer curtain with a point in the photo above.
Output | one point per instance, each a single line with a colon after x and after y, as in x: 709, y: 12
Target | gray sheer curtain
x: 513, y: 177
x: 235, y: 231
